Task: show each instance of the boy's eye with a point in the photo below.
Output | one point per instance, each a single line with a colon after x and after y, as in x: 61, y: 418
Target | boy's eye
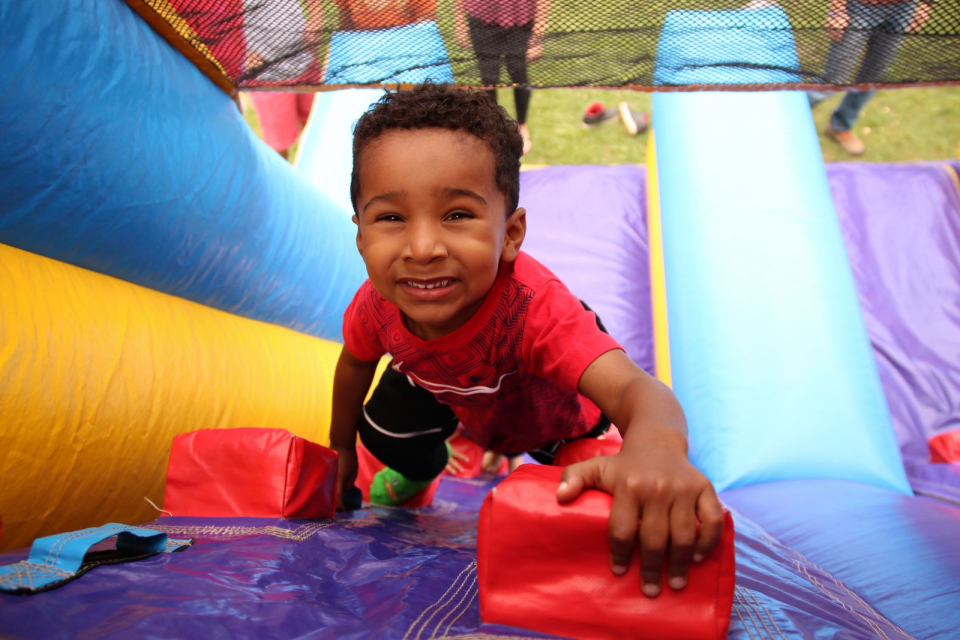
x: 388, y: 217
x: 459, y: 215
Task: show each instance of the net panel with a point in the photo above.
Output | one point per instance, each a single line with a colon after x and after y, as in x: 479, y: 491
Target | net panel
x: 641, y: 44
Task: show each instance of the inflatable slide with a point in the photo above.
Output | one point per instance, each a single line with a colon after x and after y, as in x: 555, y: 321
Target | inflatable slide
x: 162, y: 271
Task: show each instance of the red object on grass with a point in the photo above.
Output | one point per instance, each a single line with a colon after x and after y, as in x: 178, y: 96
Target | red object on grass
x: 546, y: 566
x: 249, y: 473
x: 945, y: 447
x: 369, y: 466
x: 595, y: 108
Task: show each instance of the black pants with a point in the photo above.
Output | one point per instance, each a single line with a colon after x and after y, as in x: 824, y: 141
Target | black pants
x: 491, y: 42
x: 405, y: 427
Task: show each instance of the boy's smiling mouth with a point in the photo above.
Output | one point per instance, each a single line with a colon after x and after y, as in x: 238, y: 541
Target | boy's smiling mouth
x: 428, y: 289
x: 434, y: 283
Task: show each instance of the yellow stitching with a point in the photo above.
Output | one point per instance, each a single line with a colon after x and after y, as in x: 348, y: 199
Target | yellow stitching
x: 79, y: 534
x: 767, y: 611
x: 796, y: 554
x: 465, y: 609
x: 744, y: 623
x: 301, y: 533
x: 456, y: 606
x: 857, y: 597
x: 873, y: 625
x: 424, y: 612
x: 24, y: 572
x: 427, y: 621
x: 748, y: 610
x: 747, y: 602
x: 440, y: 604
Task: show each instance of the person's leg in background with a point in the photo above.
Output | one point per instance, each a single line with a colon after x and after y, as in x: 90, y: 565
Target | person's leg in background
x: 875, y: 30
x: 515, y: 43
x: 485, y: 44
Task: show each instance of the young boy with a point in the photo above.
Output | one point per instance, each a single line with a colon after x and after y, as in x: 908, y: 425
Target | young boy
x: 482, y: 334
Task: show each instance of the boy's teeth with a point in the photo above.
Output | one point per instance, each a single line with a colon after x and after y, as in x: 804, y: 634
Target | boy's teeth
x: 442, y: 283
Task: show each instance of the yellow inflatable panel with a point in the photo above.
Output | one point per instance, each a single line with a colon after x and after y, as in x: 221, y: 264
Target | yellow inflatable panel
x: 97, y: 375
x: 658, y: 283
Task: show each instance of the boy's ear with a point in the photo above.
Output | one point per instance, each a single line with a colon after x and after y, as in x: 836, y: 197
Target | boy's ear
x: 356, y: 221
x: 513, y: 235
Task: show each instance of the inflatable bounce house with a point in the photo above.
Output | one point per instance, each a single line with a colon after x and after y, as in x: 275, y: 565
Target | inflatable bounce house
x: 171, y: 293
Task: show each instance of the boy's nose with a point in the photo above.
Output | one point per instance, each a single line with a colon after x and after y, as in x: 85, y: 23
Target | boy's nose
x: 424, y: 244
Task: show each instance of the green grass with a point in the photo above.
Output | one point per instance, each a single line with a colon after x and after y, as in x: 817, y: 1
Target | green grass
x: 897, y: 126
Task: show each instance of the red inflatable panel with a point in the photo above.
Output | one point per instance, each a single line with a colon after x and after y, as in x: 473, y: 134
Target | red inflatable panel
x: 369, y: 466
x: 249, y: 473
x: 584, y: 449
x: 945, y: 447
x: 546, y: 567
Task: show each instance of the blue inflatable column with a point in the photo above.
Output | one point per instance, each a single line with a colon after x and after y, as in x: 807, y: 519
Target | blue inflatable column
x: 768, y: 348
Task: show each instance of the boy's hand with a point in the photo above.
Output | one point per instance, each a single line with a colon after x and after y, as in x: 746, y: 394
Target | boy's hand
x: 652, y: 480
x: 346, y: 474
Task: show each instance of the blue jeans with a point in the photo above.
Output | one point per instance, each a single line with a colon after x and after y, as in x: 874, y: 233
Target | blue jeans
x: 875, y: 31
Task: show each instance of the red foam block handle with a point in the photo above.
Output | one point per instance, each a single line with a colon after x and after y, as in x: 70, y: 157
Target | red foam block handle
x: 250, y: 473
x: 546, y: 566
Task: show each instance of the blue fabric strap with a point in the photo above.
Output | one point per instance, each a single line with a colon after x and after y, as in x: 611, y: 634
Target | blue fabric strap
x: 60, y: 557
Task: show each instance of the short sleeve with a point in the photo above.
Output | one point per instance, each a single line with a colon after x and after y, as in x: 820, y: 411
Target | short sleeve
x: 360, y: 335
x: 561, y: 338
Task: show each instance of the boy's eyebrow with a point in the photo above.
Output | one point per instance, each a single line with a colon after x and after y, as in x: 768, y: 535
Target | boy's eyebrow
x: 390, y: 196
x: 454, y: 191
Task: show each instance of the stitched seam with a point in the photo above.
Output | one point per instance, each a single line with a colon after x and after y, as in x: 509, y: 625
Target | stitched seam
x: 463, y: 600
x: 301, y: 533
x: 767, y: 611
x: 286, y: 476
x: 797, y: 556
x: 424, y: 612
x: 467, y: 608
x: 62, y: 542
x: 441, y: 607
x: 815, y: 582
x: 742, y: 621
x: 749, y: 611
x: 746, y: 601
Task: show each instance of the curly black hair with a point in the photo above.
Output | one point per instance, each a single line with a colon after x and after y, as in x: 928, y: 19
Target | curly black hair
x: 445, y: 107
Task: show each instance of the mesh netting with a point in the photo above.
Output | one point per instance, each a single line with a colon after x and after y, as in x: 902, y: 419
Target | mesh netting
x: 552, y: 43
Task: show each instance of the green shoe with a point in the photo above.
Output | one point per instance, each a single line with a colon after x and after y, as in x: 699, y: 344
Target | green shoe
x: 390, y: 489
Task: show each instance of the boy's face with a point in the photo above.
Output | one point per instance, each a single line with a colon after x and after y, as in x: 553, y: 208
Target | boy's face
x: 432, y: 225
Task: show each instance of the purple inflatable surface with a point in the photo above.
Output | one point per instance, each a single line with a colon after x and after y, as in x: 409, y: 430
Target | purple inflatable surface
x: 815, y: 559
x: 901, y: 223
x: 588, y: 225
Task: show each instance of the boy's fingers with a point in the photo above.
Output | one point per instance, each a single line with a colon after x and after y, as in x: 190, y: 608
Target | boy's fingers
x: 654, y: 533
x: 710, y: 512
x: 683, y: 535
x: 576, y: 478
x: 622, y: 530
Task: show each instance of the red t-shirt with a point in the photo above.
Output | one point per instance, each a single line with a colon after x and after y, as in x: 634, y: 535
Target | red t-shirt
x: 510, y: 373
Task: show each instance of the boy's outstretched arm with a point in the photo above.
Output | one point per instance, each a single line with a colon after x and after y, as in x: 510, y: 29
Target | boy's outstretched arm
x: 650, y: 478
x: 351, y: 381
